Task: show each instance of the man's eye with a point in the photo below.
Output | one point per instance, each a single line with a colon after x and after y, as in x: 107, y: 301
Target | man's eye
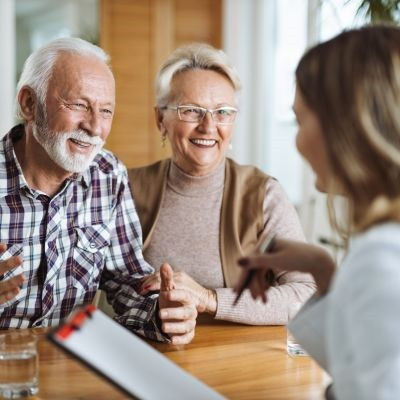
x: 78, y: 106
x: 107, y: 112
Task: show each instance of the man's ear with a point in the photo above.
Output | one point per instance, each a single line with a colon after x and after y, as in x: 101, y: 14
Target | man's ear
x: 159, y: 116
x: 27, y: 101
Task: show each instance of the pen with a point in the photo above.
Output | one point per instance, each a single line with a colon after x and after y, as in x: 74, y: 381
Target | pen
x: 264, y: 248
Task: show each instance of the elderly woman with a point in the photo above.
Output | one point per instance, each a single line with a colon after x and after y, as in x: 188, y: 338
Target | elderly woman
x: 199, y: 210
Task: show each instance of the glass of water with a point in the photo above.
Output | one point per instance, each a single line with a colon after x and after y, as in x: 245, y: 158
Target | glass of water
x: 292, y: 346
x: 19, y: 366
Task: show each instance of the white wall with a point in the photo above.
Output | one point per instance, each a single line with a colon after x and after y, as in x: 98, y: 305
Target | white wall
x: 27, y: 24
x: 7, y: 64
x: 264, y: 40
x: 40, y: 21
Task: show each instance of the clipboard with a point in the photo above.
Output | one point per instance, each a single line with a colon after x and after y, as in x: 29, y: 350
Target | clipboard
x: 125, y: 360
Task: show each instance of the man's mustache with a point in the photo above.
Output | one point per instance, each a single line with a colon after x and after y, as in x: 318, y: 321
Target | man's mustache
x: 82, y: 136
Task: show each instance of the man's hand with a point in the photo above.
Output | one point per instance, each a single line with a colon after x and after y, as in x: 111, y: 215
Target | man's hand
x: 9, y: 288
x: 206, y: 298
x: 177, y: 308
x: 288, y: 255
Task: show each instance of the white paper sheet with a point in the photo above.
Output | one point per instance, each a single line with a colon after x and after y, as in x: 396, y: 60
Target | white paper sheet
x: 131, y: 363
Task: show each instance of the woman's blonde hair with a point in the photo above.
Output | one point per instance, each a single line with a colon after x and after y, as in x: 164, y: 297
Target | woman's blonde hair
x: 192, y: 56
x: 352, y: 83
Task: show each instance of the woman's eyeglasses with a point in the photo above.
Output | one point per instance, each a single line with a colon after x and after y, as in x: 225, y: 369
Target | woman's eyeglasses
x: 222, y: 115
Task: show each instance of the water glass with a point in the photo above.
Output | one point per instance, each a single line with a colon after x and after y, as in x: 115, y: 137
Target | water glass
x: 292, y: 346
x: 19, y: 367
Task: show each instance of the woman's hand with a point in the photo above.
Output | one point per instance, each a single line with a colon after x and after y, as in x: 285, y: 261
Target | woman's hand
x: 206, y: 298
x: 9, y: 288
x: 177, y: 308
x: 288, y: 255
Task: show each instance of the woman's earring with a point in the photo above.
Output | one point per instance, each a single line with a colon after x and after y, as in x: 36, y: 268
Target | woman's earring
x: 163, y: 139
x: 230, y: 146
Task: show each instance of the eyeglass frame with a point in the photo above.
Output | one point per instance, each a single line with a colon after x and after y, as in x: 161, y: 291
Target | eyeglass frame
x: 205, y: 110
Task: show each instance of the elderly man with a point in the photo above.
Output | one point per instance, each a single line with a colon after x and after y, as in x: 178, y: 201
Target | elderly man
x: 68, y: 225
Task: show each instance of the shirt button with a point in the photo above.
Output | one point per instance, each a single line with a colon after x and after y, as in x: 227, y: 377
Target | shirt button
x: 92, y: 245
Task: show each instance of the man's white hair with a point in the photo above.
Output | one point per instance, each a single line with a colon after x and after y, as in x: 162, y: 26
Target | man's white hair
x: 39, y: 65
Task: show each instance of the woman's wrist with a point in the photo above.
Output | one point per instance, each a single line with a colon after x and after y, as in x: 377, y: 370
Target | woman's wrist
x: 322, y: 271
x: 211, y: 302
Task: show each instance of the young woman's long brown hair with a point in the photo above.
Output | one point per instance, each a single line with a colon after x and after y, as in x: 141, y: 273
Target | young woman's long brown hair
x: 352, y: 83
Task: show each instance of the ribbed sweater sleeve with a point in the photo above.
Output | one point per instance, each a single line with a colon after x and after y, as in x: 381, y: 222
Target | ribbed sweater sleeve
x: 281, y: 218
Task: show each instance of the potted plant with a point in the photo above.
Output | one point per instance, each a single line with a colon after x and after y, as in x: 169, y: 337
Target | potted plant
x: 380, y: 10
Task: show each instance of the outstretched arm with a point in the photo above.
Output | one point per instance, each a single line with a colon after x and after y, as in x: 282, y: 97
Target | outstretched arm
x: 289, y: 255
x: 290, y: 286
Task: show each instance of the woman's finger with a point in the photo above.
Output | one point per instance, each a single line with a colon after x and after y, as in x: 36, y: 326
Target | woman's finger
x: 258, y: 261
x: 242, y: 279
x: 182, y: 339
x: 167, y: 278
x: 151, y: 278
x: 181, y: 313
x: 150, y: 286
x: 150, y: 283
x: 180, y: 328
x: 255, y: 288
x: 179, y: 324
x: 181, y: 296
x: 261, y: 277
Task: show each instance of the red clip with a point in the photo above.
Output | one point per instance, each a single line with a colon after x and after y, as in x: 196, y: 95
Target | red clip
x: 64, y: 332
x: 90, y: 309
x: 76, y: 321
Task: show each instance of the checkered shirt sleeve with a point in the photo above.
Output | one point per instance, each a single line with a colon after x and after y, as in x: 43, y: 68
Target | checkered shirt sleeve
x: 87, y: 236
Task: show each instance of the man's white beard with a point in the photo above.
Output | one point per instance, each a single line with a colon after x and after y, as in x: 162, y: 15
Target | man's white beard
x: 55, y: 144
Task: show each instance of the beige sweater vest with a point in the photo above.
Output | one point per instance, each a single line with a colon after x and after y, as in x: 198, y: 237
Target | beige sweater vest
x: 242, y: 219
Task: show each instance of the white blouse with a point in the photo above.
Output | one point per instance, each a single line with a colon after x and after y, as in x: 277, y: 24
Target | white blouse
x: 354, y: 331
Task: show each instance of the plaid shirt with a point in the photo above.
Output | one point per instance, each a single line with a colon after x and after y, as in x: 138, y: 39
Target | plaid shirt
x: 84, y: 238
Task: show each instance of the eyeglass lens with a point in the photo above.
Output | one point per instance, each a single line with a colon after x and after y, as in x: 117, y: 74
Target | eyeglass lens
x: 223, y: 115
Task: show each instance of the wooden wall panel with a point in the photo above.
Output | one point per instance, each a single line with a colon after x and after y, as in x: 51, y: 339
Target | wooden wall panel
x: 138, y: 35
x: 127, y: 39
x: 197, y: 21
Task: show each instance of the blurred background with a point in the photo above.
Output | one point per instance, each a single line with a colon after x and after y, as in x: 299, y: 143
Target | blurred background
x: 263, y: 38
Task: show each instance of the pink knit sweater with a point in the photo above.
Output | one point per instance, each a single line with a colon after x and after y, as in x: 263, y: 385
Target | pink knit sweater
x: 187, y: 237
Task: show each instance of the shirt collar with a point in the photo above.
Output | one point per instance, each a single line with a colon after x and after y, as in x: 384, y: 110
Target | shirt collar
x: 83, y: 178
x: 15, y: 177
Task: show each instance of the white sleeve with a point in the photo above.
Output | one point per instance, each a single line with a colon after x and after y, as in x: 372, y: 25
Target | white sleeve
x: 309, y: 329
x: 374, y: 324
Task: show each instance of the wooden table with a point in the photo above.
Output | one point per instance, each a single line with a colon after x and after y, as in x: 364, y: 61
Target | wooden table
x: 240, y: 362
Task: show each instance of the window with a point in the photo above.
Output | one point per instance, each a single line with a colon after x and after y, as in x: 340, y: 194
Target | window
x: 264, y: 40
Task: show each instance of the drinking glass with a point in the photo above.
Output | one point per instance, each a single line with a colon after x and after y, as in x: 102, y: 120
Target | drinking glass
x: 19, y: 366
x: 292, y: 346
